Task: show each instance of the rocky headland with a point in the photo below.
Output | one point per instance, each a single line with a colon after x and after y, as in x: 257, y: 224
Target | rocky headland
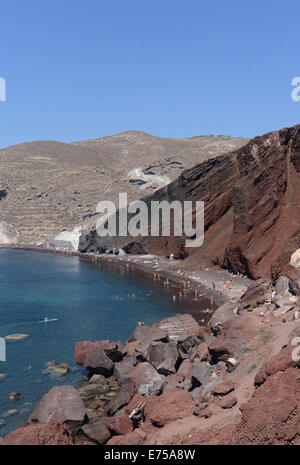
x: 235, y: 381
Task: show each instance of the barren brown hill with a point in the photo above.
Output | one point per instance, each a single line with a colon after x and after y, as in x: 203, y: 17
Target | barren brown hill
x: 252, y: 199
x: 48, y: 186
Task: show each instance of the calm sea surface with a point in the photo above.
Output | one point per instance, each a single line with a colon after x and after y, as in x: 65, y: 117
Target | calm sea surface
x: 89, y: 304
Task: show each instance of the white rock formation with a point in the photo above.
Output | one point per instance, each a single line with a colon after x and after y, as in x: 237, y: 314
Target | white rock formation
x: 295, y: 259
x: 147, y: 180
x: 67, y: 239
x: 8, y: 234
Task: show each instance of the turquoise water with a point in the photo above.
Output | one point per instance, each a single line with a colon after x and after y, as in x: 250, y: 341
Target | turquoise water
x: 89, y: 304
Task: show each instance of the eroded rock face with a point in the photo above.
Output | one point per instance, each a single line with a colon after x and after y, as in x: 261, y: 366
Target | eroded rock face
x: 251, y: 196
x: 61, y: 403
x: 54, y: 433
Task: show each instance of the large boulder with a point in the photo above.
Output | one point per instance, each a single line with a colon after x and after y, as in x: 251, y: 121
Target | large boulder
x: 172, y: 405
x: 294, y: 277
x: 201, y: 373
x: 224, y: 313
x: 162, y: 355
x: 120, y: 424
x: 188, y: 347
x: 295, y: 259
x: 282, y: 286
x: 97, y: 432
x: 98, y: 357
x: 61, y: 403
x: 179, y: 327
x: 146, y: 379
x: 221, y: 389
x: 123, y: 398
x: 124, y: 367
x: 146, y: 333
x: 256, y: 291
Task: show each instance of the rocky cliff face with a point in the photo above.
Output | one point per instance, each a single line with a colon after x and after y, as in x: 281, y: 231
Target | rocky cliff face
x: 266, y: 203
x: 252, y: 211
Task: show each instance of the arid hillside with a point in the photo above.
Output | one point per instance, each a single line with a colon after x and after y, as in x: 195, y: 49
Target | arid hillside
x: 48, y: 186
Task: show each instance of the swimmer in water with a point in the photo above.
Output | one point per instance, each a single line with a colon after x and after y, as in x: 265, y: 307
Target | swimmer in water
x: 47, y: 320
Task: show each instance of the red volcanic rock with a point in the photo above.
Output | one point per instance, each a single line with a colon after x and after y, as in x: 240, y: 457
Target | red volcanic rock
x: 97, y: 432
x: 135, y: 438
x: 135, y: 401
x: 228, y: 402
x: 119, y: 424
x: 51, y: 434
x: 61, y: 403
x: 278, y: 362
x: 97, y: 357
x: 172, y: 405
x: 272, y: 414
x: 222, y: 389
x: 250, y: 196
x: 234, y: 337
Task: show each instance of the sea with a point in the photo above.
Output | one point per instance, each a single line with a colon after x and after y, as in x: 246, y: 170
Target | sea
x: 84, y: 302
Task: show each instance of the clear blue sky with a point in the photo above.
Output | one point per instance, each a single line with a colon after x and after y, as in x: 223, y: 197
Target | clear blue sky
x: 85, y: 69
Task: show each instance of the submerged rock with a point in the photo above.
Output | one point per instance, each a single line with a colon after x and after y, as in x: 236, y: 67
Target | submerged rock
x: 16, y: 337
x: 3, y: 376
x: 13, y: 396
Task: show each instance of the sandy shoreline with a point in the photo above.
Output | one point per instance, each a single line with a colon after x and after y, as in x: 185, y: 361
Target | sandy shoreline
x: 214, y: 286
